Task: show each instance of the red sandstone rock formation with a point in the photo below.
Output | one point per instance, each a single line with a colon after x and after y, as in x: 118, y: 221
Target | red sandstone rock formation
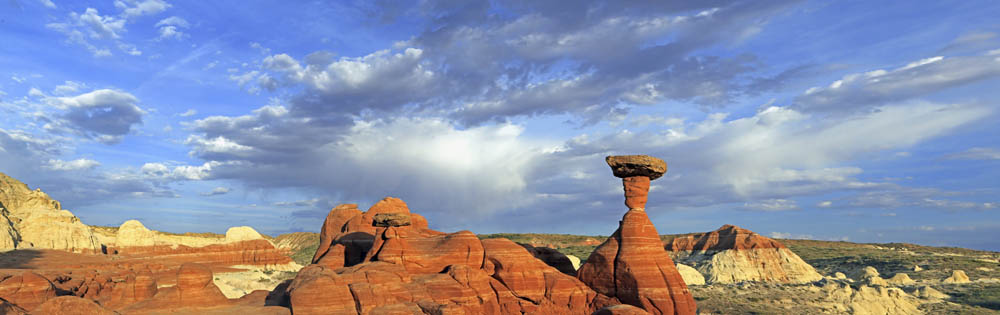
x: 632, y: 265
x: 726, y: 237
x: 412, y: 269
x: 71, y: 305
x: 27, y: 290
x: 251, y: 252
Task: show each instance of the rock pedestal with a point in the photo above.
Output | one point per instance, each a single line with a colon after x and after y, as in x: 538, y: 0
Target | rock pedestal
x: 632, y: 265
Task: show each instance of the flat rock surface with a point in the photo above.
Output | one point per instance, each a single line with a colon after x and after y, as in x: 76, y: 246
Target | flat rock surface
x: 636, y: 165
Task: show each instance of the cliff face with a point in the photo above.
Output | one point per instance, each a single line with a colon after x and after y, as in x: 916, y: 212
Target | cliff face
x: 31, y: 219
x: 732, y: 254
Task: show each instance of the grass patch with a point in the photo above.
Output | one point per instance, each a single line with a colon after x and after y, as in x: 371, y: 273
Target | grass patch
x: 304, y: 255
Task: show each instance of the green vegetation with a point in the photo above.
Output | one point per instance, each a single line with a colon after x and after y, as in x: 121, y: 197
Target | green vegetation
x: 891, y: 258
x: 304, y: 255
x: 980, y: 295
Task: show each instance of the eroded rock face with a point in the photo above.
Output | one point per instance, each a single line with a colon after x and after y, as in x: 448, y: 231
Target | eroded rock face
x: 133, y: 233
x: 71, y: 305
x: 27, y: 290
x: 31, y: 219
x: 412, y: 269
x: 633, y: 267
x: 691, y: 276
x: 732, y: 254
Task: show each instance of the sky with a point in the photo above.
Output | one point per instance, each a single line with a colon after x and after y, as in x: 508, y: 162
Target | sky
x: 849, y: 120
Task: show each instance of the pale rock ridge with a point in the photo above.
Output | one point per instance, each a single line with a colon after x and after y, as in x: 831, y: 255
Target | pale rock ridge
x: 30, y: 218
x: 732, y: 254
x: 867, y: 300
x: 691, y: 276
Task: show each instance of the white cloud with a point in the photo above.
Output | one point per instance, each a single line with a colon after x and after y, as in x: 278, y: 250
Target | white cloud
x: 69, y: 87
x: 78, y: 164
x: 48, y: 4
x: 137, y: 8
x: 189, y: 113
x: 874, y: 88
x: 105, y: 115
x: 784, y: 235
x: 217, y: 191
x: 168, y: 27
x: 976, y: 154
x: 772, y: 205
x: 162, y: 171
x: 825, y: 204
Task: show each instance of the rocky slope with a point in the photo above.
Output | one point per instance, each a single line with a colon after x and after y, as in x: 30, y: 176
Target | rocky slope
x: 732, y: 254
x: 30, y: 219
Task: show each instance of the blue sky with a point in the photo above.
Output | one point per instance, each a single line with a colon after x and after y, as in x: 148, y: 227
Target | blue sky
x: 853, y: 120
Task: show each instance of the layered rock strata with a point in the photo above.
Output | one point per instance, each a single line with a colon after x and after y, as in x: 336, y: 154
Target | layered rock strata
x: 632, y: 265
x: 732, y: 254
x: 367, y: 263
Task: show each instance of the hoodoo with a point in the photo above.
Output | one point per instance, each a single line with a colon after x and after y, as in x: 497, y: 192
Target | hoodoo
x: 632, y: 265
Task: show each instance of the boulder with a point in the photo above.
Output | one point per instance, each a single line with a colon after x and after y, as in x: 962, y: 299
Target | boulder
x: 839, y: 275
x: 691, y: 276
x: 625, y: 166
x: 195, y: 286
x: 732, y: 254
x: 391, y: 219
x: 957, y: 276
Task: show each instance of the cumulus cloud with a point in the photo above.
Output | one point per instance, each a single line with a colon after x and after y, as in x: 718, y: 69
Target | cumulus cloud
x: 893, y: 197
x: 48, y: 4
x: 188, y: 113
x: 104, y: 115
x: 137, y: 8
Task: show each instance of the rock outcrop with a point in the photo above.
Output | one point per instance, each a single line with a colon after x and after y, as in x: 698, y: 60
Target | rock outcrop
x: 367, y: 263
x: 900, y: 279
x: 632, y: 265
x: 691, y: 276
x: 27, y: 290
x: 732, y: 254
x: 71, y: 305
x: 132, y: 233
x: 242, y: 233
x: 869, y: 300
x: 957, y: 276
x: 31, y: 219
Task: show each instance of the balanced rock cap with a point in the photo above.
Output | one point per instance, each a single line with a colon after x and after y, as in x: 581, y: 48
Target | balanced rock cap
x: 391, y: 219
x: 636, y: 165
